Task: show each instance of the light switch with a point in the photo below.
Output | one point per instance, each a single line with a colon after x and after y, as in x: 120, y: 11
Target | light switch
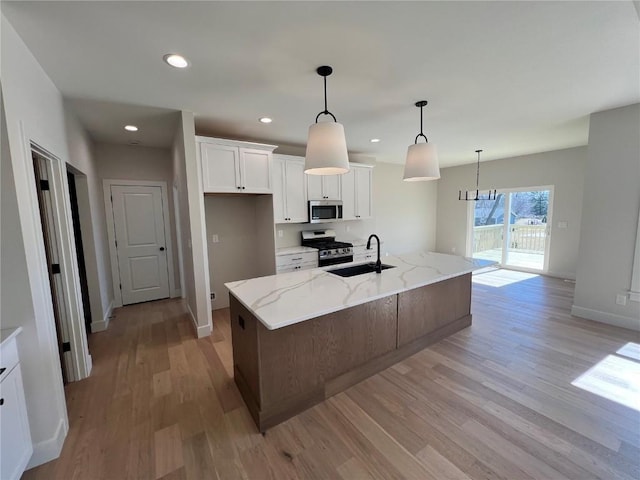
x: 214, y: 238
x: 280, y: 233
x: 563, y: 224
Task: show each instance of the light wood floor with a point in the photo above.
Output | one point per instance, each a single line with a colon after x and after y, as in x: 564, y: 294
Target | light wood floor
x: 494, y: 401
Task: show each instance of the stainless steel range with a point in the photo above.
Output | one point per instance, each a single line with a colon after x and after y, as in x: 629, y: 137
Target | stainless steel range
x: 330, y: 252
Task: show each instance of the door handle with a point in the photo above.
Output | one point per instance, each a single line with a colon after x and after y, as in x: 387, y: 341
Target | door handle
x: 162, y: 249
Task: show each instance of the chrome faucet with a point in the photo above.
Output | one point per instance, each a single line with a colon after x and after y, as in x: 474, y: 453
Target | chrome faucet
x: 378, y: 262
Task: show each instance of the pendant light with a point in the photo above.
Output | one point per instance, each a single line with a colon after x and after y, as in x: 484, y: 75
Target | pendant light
x: 422, y: 158
x: 470, y: 195
x: 326, y: 144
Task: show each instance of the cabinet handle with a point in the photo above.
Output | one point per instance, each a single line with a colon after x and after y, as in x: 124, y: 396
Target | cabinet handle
x: 1, y: 401
x: 243, y: 188
x: 297, y: 258
x: 238, y: 188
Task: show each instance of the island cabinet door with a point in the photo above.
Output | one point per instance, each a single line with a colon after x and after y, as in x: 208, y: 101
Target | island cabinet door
x: 245, y: 354
x: 436, y: 310
x: 297, y: 361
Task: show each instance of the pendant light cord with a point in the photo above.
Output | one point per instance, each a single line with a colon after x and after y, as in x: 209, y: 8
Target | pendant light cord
x: 325, y: 111
x: 421, y: 104
x: 478, y: 171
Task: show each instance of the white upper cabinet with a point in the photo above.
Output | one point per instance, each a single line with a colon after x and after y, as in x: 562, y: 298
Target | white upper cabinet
x: 323, y: 187
x: 229, y: 166
x: 289, y: 194
x: 356, y: 192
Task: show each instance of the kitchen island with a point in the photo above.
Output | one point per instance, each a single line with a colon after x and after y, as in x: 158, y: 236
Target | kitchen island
x: 301, y: 337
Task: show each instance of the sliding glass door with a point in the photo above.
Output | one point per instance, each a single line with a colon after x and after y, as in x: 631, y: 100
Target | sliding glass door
x: 513, y: 229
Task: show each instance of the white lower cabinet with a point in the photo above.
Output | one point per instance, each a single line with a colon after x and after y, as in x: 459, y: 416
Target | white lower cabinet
x: 15, y: 437
x: 296, y: 261
x: 361, y: 254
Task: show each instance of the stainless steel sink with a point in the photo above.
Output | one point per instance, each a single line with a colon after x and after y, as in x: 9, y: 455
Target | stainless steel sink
x: 358, y: 269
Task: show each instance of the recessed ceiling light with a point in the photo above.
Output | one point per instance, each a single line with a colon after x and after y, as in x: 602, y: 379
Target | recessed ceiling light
x: 266, y: 120
x: 374, y: 140
x: 131, y: 128
x: 175, y: 60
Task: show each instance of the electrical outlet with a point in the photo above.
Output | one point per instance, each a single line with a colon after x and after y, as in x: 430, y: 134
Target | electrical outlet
x: 213, y: 295
x: 214, y: 238
x: 280, y: 233
x: 621, y: 299
x: 563, y: 224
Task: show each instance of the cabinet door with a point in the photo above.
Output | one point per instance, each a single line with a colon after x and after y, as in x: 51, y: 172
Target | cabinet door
x: 331, y: 187
x: 255, y: 171
x: 14, y: 437
x: 363, y: 177
x: 296, y: 196
x: 348, y: 195
x: 314, y: 187
x: 220, y: 168
x: 279, y: 191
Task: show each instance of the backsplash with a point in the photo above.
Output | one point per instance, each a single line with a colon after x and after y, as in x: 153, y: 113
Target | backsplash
x: 346, y: 230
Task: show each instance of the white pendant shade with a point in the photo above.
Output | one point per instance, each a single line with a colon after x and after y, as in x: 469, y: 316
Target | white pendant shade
x: 326, y: 150
x: 422, y: 163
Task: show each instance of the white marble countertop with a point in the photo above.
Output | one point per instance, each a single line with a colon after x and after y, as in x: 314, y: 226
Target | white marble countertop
x: 294, y: 250
x: 288, y: 298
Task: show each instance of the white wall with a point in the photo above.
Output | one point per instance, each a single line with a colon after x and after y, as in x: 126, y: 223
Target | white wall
x: 92, y: 221
x: 609, y: 218
x: 404, y: 215
x: 129, y: 162
x: 564, y: 169
x: 192, y: 220
x: 34, y: 111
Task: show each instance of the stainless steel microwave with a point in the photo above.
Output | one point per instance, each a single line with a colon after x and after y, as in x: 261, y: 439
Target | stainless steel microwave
x: 324, y: 211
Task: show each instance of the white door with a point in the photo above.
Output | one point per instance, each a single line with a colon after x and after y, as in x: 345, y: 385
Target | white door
x: 220, y: 168
x: 363, y: 192
x: 331, y: 187
x: 140, y: 243
x: 349, y: 195
x: 255, y: 171
x: 279, y: 194
x: 295, y: 186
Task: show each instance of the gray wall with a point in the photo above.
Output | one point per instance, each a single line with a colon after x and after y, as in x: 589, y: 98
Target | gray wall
x: 128, y: 162
x: 610, y: 216
x: 404, y: 215
x: 237, y: 255
x: 564, y: 169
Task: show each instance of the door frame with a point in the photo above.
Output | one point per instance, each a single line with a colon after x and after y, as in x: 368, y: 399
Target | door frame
x: 505, y: 239
x: 111, y: 233
x: 81, y: 361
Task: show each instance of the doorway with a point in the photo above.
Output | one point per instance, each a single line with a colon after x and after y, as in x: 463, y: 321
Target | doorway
x: 77, y: 234
x: 139, y: 240
x: 513, y: 229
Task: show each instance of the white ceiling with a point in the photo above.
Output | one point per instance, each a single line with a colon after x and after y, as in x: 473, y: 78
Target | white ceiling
x: 509, y: 77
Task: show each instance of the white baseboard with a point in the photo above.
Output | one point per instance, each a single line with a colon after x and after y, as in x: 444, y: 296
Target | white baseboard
x: 605, y: 317
x: 102, y: 325
x: 50, y: 449
x: 201, y: 330
x: 562, y: 275
x: 176, y: 293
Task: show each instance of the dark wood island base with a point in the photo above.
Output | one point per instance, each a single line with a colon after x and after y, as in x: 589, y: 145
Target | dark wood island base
x: 282, y: 372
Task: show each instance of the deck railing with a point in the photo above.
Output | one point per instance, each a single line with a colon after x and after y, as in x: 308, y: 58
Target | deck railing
x: 529, y: 238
